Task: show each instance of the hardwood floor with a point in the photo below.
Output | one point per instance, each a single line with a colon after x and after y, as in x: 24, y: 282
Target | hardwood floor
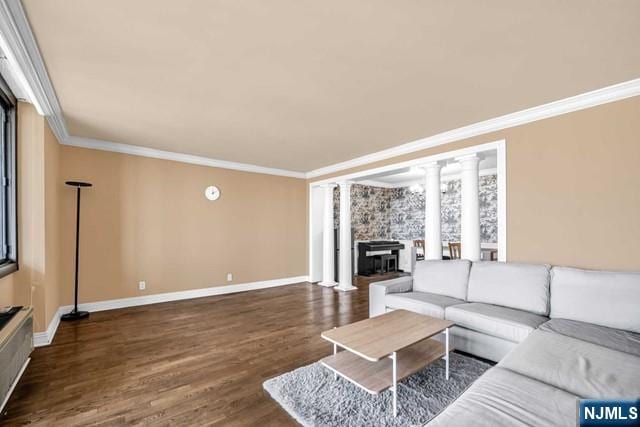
x: 192, y: 362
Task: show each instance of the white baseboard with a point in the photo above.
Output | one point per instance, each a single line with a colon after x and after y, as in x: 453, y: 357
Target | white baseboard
x: 45, y: 338
x: 41, y: 339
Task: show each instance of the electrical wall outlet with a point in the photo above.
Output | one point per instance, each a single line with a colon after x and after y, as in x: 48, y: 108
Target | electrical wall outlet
x: 142, y: 285
x: 229, y: 277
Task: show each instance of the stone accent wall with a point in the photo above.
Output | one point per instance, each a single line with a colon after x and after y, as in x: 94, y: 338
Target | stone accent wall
x: 398, y: 213
x: 370, y: 210
x: 407, y: 214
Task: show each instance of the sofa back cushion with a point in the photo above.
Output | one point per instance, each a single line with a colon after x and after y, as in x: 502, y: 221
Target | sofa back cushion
x: 448, y: 278
x: 604, y: 298
x: 520, y: 286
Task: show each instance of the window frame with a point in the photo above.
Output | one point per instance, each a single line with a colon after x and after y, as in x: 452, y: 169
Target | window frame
x: 8, y: 181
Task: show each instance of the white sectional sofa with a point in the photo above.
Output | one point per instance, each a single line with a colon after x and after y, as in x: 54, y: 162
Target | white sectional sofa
x: 558, y: 334
x: 494, y: 305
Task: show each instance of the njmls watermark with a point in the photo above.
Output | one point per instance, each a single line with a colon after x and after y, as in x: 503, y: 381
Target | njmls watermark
x: 623, y: 413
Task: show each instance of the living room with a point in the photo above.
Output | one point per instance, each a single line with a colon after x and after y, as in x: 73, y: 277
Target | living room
x: 179, y: 179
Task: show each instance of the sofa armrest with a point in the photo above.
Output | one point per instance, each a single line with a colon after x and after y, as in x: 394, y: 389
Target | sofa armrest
x: 378, y: 290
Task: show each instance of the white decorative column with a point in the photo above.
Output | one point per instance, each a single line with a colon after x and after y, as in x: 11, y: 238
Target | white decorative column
x: 344, y: 267
x: 470, y: 207
x: 432, y: 213
x: 328, y: 241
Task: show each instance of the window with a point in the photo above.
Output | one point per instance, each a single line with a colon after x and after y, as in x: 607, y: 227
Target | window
x: 8, y: 184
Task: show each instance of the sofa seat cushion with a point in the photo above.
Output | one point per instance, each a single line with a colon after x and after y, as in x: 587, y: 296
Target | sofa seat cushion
x: 578, y: 367
x: 502, y: 322
x: 513, y: 285
x: 501, y: 398
x: 421, y: 302
x: 615, y: 339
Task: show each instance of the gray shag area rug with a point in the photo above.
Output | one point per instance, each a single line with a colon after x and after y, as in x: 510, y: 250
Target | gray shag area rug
x: 312, y: 396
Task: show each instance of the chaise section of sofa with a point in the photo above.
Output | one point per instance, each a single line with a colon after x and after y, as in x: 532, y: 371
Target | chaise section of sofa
x: 582, y: 368
x: 579, y: 350
x: 504, y: 398
x: 615, y: 339
x: 578, y: 354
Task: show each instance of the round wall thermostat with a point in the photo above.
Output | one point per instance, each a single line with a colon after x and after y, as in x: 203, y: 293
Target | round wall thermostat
x: 212, y: 193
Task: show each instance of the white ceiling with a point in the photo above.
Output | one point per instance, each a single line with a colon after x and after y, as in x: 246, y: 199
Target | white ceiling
x: 303, y: 84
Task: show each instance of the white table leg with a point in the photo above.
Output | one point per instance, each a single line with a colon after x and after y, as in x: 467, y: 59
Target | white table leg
x: 394, y: 360
x: 446, y: 349
x: 335, y: 350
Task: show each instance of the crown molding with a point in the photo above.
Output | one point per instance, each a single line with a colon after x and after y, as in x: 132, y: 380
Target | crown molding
x: 605, y: 95
x: 136, y: 150
x: 20, y: 47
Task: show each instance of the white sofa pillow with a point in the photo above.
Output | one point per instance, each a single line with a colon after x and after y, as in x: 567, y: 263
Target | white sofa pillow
x: 520, y: 286
x: 448, y: 278
x: 603, y: 298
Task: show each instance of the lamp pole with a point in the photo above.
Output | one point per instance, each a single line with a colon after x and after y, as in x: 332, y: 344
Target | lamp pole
x: 75, y: 314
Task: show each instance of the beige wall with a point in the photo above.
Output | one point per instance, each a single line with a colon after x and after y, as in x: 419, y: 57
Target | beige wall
x: 36, y: 282
x: 148, y: 219
x: 144, y: 219
x: 7, y: 293
x: 53, y: 185
x: 572, y: 187
x: 572, y: 199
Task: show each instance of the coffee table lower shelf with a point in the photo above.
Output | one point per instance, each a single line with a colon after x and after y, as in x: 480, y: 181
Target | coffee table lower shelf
x: 376, y: 377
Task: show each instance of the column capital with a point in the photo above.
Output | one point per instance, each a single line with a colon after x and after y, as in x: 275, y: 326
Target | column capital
x: 345, y: 184
x: 433, y: 166
x: 469, y: 158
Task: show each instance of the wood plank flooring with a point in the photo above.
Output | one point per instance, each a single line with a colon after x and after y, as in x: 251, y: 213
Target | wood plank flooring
x: 192, y: 362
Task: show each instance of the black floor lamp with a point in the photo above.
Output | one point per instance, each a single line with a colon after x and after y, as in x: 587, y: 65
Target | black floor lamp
x: 75, y: 314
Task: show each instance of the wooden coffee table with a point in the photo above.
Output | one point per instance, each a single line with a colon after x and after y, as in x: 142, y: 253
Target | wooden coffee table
x: 382, y: 350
